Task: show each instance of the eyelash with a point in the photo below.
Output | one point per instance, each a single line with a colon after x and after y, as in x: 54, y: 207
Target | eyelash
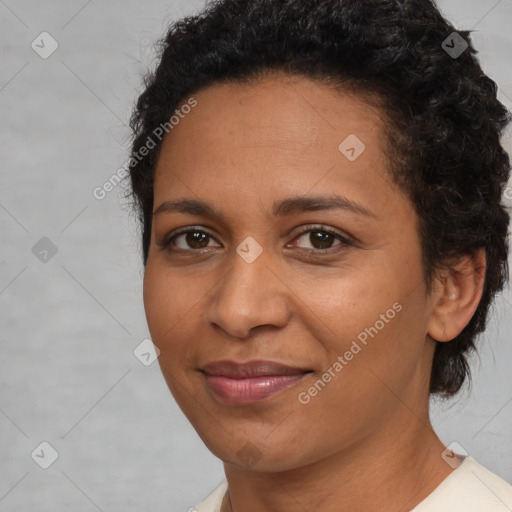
x: 167, y: 242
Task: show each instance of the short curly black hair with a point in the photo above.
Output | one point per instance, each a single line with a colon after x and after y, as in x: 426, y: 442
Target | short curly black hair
x: 444, y: 120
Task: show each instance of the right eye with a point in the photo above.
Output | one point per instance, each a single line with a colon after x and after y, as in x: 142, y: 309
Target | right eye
x: 192, y: 239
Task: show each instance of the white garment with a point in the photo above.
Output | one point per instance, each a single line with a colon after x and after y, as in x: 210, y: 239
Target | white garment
x: 469, y: 488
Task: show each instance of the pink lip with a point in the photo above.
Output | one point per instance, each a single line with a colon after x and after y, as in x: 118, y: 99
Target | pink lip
x: 245, y: 383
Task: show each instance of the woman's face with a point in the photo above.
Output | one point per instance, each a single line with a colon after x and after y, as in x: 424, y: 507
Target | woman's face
x: 272, y: 272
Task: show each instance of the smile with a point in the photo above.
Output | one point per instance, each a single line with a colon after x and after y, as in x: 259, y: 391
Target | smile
x: 246, y: 383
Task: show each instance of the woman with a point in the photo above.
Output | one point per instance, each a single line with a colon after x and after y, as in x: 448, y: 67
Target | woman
x: 319, y: 186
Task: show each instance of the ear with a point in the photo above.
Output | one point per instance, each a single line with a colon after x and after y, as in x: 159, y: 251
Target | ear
x: 456, y: 294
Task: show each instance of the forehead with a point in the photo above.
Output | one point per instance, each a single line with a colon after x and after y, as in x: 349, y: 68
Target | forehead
x: 279, y: 132
x: 283, y: 109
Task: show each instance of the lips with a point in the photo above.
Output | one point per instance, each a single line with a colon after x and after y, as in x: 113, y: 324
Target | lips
x: 246, y: 383
x: 250, y: 369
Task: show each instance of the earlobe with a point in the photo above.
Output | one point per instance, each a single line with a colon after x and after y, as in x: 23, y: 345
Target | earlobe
x: 457, y: 293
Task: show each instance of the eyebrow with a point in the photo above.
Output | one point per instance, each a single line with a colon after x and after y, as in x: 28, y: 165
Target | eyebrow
x: 282, y: 208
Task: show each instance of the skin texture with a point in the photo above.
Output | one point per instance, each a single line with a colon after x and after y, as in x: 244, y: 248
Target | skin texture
x: 364, y: 442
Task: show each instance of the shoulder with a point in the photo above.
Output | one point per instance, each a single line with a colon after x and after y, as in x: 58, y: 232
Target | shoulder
x: 470, y: 488
x: 213, y: 501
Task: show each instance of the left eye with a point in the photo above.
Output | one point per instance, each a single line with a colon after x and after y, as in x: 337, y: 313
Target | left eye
x: 322, y: 239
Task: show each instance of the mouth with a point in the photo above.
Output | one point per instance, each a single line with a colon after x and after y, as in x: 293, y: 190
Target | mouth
x: 253, y: 381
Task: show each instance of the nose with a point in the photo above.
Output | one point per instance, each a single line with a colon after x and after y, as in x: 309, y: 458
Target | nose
x: 250, y: 295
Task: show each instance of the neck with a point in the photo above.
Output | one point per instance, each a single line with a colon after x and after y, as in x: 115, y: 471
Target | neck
x: 395, y: 468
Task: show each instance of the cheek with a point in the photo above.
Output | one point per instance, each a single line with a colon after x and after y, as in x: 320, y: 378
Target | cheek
x: 157, y: 303
x: 373, y: 317
x: 167, y: 304
x: 167, y: 301
x: 348, y: 303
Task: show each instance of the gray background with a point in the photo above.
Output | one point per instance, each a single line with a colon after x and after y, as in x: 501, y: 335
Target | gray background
x: 69, y: 325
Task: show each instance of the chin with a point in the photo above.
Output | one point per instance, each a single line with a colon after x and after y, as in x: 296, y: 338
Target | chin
x: 261, y: 455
